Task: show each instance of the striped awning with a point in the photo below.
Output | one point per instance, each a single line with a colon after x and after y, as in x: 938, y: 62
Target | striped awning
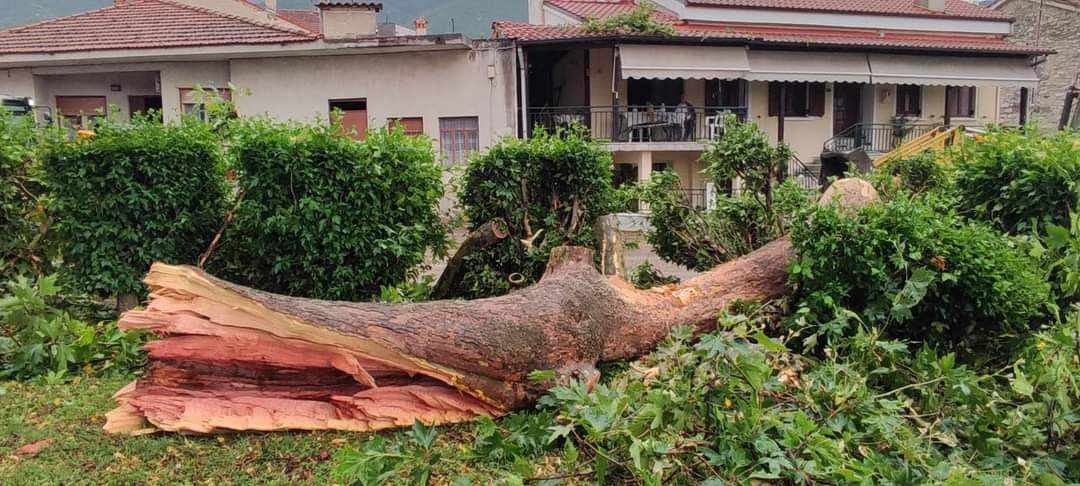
x: 838, y: 67
x: 683, y: 62
x: 952, y: 71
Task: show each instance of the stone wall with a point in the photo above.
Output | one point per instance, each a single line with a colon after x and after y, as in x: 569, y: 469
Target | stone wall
x: 1060, y: 27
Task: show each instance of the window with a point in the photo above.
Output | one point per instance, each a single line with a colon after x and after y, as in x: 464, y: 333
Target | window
x: 81, y: 112
x: 960, y: 101
x: 725, y: 92
x: 801, y: 100
x: 458, y: 137
x: 908, y: 100
x: 412, y: 126
x: 353, y: 113
x: 193, y: 100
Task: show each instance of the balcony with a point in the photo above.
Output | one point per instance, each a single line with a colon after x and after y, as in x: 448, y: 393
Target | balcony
x: 876, y: 138
x: 638, y: 124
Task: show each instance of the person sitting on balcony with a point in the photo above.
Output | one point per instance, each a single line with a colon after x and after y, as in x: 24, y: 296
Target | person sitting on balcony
x: 687, y: 115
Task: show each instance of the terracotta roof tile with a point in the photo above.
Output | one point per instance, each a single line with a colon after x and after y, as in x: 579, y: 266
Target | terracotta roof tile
x: 807, y: 36
x: 143, y: 24
x: 310, y: 20
x: 953, y: 8
x: 605, y: 8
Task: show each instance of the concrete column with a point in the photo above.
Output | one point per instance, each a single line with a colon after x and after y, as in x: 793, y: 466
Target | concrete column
x: 644, y: 171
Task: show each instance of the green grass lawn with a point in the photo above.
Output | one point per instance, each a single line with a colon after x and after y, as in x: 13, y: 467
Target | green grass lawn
x: 72, y: 415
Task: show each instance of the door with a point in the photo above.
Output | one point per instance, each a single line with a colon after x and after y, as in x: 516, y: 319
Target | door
x: 847, y: 106
x: 354, y: 117
x: 80, y: 112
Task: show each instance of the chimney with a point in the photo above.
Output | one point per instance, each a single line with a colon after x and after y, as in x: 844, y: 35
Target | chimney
x: 420, y: 26
x: 348, y: 19
x: 536, y: 12
x: 932, y: 5
x: 271, y: 5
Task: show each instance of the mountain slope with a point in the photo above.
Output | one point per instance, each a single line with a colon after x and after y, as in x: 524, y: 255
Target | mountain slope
x: 472, y: 17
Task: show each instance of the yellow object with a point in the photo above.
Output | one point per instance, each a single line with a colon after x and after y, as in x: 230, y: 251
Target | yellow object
x: 936, y: 140
x: 84, y: 134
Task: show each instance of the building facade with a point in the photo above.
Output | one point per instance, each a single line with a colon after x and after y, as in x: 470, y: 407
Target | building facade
x: 301, y: 65
x: 818, y: 75
x: 1054, y: 24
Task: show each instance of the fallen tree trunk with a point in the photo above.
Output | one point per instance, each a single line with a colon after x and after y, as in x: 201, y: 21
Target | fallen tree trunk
x: 233, y: 358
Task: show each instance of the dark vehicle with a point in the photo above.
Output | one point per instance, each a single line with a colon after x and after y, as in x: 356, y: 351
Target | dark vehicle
x: 17, y: 106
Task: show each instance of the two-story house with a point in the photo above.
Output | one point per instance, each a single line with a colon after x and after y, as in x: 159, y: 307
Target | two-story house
x: 811, y: 73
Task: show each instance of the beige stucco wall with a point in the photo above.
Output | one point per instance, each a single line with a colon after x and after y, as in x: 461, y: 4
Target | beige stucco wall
x: 416, y: 84
x: 933, y: 105
x: 98, y: 84
x: 45, y: 83
x: 17, y: 82
x: 804, y: 135
x: 686, y: 164
x: 348, y: 22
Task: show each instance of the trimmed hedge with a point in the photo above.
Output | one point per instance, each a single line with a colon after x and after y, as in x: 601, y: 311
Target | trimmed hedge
x: 327, y: 217
x: 132, y: 195
x: 537, y: 181
x: 21, y: 215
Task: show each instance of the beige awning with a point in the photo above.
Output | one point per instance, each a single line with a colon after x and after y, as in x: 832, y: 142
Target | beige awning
x: 683, y: 62
x: 840, y: 67
x: 952, y: 71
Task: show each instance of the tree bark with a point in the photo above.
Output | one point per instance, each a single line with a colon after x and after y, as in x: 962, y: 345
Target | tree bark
x: 233, y: 358
x: 489, y: 234
x: 610, y: 241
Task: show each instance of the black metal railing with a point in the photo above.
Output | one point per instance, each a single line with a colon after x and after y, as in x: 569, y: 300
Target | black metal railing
x: 801, y: 174
x: 876, y: 137
x: 623, y: 124
x: 695, y: 198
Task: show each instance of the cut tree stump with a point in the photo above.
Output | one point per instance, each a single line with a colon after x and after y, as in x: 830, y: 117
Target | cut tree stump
x: 233, y: 358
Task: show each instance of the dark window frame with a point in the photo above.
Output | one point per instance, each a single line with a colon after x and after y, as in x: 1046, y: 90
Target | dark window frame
x: 909, y: 100
x: 954, y: 99
x: 802, y: 99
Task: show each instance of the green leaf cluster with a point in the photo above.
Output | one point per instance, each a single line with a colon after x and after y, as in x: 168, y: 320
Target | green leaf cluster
x: 922, y: 270
x: 1018, y: 179
x: 549, y: 190
x: 320, y: 215
x: 132, y: 195
x: 640, y: 20
x: 23, y: 216
x: 40, y: 340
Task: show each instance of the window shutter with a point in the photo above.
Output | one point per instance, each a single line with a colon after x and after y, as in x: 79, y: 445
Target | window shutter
x: 774, y: 99
x: 817, y: 99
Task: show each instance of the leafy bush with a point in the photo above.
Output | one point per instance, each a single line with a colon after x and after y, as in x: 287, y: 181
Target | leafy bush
x: 919, y: 174
x: 702, y: 239
x: 930, y: 274
x: 549, y: 189
x: 1012, y: 178
x: 326, y: 217
x: 645, y: 276
x: 640, y: 20
x: 1060, y: 248
x: 22, y: 212
x: 41, y: 340
x: 745, y: 152
x: 132, y: 195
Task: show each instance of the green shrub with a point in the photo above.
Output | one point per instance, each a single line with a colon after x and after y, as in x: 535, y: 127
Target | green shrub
x: 745, y: 152
x: 1059, y: 247
x: 637, y: 21
x: 933, y: 276
x: 132, y: 195
x: 22, y: 212
x: 40, y: 340
x: 1012, y: 178
x: 918, y: 174
x: 548, y: 189
x: 645, y: 276
x: 327, y: 217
